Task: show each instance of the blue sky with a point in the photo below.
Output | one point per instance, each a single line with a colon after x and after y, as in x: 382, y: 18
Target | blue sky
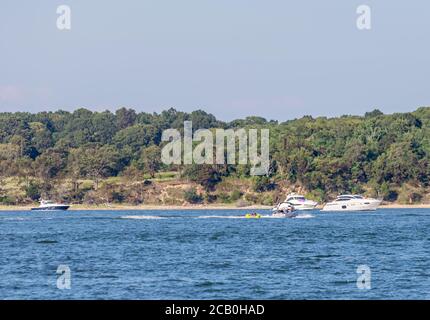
x: 234, y: 58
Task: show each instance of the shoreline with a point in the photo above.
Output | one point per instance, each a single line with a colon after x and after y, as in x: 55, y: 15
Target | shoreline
x: 189, y: 207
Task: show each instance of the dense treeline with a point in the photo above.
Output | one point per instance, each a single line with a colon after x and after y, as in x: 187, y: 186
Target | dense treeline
x: 377, y: 154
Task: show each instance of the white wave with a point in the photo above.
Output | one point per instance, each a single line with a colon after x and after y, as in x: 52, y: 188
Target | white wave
x: 143, y: 217
x: 16, y: 219
x: 220, y: 217
x: 305, y: 216
x: 299, y: 216
x: 272, y: 217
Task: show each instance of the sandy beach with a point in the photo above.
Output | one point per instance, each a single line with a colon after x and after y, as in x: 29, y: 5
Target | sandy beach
x: 192, y: 207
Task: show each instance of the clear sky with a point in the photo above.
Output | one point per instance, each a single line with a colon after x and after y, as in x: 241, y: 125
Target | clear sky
x: 278, y: 59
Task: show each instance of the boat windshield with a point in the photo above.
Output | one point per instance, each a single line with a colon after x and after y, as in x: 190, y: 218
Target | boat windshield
x: 299, y: 198
x: 344, y: 198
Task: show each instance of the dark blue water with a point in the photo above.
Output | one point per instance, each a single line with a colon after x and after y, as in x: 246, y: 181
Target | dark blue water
x: 214, y: 255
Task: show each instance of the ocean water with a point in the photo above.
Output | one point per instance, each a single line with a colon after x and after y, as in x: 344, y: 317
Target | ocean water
x: 207, y: 254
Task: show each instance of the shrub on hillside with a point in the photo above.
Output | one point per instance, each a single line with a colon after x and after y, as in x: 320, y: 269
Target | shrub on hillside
x: 32, y: 191
x: 387, y: 193
x: 251, y: 198
x: 192, y: 196
x: 7, y: 201
x: 224, y: 197
x: 235, y: 195
x: 242, y: 203
x: 263, y: 184
x: 117, y: 197
x: 407, y: 196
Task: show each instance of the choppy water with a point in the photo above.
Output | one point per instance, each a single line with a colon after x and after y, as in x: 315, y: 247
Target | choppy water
x: 214, y: 255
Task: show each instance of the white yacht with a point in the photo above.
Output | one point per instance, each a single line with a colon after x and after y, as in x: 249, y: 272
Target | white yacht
x: 298, y: 201
x: 48, y: 205
x: 351, y: 202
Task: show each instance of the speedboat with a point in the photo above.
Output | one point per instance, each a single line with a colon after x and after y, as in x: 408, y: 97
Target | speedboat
x: 351, y: 202
x: 284, y: 206
x: 284, y: 210
x: 48, y: 205
x: 298, y: 201
x: 284, y: 214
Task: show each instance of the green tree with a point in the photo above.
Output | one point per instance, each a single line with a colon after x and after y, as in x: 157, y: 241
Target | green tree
x: 151, y: 160
x: 96, y: 163
x: 125, y: 118
x: 206, y: 175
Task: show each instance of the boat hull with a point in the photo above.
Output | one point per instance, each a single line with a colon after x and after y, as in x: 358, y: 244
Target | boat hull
x: 289, y: 215
x: 284, y: 215
x: 351, y: 207
x: 53, y: 208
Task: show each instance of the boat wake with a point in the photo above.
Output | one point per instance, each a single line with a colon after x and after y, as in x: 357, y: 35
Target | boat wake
x: 300, y: 216
x: 271, y: 217
x: 305, y: 216
x: 143, y: 217
x: 15, y: 219
x: 220, y: 217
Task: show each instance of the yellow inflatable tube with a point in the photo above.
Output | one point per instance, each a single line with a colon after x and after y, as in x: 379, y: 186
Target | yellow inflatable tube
x: 253, y: 216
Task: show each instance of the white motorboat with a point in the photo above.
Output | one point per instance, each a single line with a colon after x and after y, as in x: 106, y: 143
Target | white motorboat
x: 284, y: 210
x: 284, y: 214
x: 351, y: 202
x: 298, y: 201
x: 47, y: 205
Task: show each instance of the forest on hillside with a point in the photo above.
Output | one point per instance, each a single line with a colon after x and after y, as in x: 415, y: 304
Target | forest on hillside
x: 376, y: 154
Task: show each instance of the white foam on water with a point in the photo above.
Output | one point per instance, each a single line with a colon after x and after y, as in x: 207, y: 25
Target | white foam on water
x: 220, y: 217
x: 300, y: 216
x: 16, y: 219
x: 305, y: 216
x: 272, y: 217
x: 143, y: 217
